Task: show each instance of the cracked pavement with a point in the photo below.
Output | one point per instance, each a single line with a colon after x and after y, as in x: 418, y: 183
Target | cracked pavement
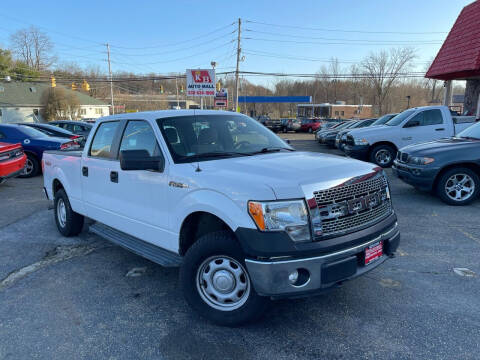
x: 70, y: 297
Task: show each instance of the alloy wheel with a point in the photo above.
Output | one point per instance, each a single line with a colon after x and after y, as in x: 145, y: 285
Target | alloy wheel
x: 460, y: 187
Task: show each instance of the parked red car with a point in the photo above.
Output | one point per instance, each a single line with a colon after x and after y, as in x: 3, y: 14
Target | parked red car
x: 310, y: 125
x: 12, y: 160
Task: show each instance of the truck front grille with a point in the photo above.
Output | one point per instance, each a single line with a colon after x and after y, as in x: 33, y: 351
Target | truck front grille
x: 345, y: 209
x: 347, y: 192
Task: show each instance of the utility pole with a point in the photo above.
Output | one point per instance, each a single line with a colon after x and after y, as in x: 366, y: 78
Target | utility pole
x: 111, y: 79
x: 238, y: 63
x: 176, y: 86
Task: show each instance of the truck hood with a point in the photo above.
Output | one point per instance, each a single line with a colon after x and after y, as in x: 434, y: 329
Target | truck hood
x: 287, y: 174
x: 366, y: 132
x: 441, y: 146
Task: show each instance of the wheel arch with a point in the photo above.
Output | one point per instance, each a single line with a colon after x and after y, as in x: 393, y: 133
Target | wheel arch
x: 384, y: 142
x: 469, y: 165
x: 197, y: 224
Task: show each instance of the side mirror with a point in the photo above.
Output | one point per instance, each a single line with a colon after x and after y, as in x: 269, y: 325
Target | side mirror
x: 412, y: 123
x: 140, y: 160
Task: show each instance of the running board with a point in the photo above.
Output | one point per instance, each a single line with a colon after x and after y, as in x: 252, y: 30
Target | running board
x: 151, y: 252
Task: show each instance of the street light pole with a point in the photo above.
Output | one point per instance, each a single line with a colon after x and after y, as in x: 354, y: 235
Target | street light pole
x: 408, y: 101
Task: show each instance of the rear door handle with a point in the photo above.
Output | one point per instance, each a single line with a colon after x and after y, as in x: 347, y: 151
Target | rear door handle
x: 440, y: 129
x: 407, y: 138
x: 114, y: 176
x: 85, y: 171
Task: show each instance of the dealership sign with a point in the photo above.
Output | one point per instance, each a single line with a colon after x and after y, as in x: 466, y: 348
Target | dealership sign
x: 221, y: 98
x: 200, y: 82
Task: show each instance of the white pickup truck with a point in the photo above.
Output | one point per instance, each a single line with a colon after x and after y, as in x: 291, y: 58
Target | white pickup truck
x: 379, y: 144
x: 246, y: 216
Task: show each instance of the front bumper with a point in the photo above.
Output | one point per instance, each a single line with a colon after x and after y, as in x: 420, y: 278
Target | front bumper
x: 270, y: 277
x: 418, y: 176
x: 359, y: 152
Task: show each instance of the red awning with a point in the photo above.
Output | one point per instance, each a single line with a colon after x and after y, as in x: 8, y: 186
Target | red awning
x: 459, y: 57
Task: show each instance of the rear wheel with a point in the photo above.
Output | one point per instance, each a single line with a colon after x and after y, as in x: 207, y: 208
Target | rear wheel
x: 69, y: 223
x: 458, y: 186
x: 383, y: 155
x: 32, y: 167
x: 310, y: 130
x: 216, y: 282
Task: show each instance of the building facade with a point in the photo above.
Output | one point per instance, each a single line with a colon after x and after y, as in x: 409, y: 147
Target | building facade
x: 23, y: 102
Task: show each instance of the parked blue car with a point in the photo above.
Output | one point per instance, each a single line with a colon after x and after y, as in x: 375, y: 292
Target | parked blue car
x: 34, y: 143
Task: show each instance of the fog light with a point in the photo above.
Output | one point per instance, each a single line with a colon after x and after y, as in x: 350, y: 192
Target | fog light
x: 293, y: 277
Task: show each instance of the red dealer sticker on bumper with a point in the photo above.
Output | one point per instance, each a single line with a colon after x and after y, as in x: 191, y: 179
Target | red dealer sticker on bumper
x: 373, y: 252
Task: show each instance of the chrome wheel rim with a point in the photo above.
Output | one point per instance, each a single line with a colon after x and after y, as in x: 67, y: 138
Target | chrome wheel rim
x: 61, y: 213
x: 27, y: 170
x: 383, y: 157
x: 223, y: 283
x: 460, y: 187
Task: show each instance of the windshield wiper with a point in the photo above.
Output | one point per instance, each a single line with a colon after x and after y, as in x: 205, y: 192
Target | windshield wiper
x: 469, y: 138
x: 214, y: 154
x: 271, y: 149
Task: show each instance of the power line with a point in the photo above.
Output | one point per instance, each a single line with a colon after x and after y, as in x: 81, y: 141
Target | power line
x: 176, y: 42
x: 343, y: 39
x: 178, y: 50
x: 345, y: 31
x: 337, y: 43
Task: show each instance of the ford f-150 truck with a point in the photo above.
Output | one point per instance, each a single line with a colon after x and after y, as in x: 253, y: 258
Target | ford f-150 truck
x: 246, y: 216
x: 379, y: 144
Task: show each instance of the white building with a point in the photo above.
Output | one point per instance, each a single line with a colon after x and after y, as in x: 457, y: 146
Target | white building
x: 22, y: 102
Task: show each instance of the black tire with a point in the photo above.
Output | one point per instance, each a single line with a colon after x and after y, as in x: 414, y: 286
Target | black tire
x: 447, y: 180
x: 72, y: 223
x: 284, y: 130
x: 32, y: 167
x: 377, y: 153
x: 207, y: 248
x: 310, y: 130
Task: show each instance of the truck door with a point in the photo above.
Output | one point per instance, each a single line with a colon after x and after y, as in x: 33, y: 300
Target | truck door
x: 98, y: 167
x: 425, y: 126
x: 140, y: 197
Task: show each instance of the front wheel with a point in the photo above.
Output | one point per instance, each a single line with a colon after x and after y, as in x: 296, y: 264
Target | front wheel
x: 310, y: 130
x: 383, y: 155
x: 458, y: 186
x: 216, y: 282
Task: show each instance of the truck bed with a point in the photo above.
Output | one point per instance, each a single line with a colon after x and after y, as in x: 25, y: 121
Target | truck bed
x: 76, y: 153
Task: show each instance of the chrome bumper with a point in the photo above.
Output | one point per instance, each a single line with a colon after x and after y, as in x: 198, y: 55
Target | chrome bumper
x: 271, y: 278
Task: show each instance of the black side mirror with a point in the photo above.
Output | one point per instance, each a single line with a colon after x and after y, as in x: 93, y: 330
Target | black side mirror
x: 412, y: 123
x: 140, y: 160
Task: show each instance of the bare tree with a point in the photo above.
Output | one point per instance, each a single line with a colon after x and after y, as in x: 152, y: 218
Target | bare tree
x: 34, y: 47
x: 383, y: 69
x: 60, y: 103
x: 334, y: 70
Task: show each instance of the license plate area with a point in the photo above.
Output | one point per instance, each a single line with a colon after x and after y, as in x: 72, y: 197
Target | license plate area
x: 373, y: 252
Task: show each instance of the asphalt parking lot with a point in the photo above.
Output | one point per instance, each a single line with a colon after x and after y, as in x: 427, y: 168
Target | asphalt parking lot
x: 72, y: 299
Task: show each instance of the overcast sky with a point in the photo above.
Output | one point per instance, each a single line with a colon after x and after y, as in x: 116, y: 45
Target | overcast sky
x: 280, y: 36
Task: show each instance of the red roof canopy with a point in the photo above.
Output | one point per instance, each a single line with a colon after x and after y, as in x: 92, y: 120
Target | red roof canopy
x: 459, y: 57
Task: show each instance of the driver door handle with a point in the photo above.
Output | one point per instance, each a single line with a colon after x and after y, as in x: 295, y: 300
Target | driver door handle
x: 114, y: 176
x: 440, y: 129
x: 407, y: 138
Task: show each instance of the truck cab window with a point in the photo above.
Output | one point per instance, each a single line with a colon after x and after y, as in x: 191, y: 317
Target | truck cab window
x: 102, y: 142
x: 138, y: 135
x: 433, y: 117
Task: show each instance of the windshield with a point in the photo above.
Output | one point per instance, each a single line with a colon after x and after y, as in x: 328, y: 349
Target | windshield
x: 397, y: 120
x: 383, y: 119
x: 343, y: 125
x: 202, y: 137
x: 471, y: 132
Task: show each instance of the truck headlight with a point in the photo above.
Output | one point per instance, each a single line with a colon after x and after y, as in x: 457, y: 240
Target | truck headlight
x: 289, y: 216
x: 420, y: 160
x: 360, y: 141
